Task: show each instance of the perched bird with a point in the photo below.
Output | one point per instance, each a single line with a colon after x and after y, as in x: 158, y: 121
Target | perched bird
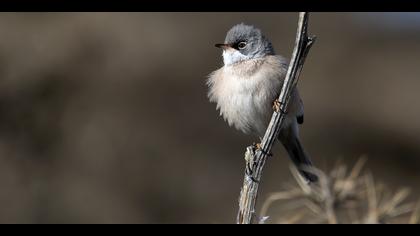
x: 245, y: 88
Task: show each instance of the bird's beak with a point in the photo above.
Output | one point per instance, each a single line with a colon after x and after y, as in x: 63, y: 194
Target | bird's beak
x: 223, y: 46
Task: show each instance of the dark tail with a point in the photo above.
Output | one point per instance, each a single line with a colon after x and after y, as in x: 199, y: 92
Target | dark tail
x: 299, y: 157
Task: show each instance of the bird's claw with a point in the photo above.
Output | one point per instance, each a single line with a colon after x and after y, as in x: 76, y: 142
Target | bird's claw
x: 277, y: 107
x: 249, y: 158
x: 258, y: 146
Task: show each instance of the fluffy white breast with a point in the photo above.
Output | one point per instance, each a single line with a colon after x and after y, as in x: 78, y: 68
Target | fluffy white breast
x: 244, y: 92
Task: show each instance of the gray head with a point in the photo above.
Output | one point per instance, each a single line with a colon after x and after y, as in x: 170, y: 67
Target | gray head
x: 244, y: 42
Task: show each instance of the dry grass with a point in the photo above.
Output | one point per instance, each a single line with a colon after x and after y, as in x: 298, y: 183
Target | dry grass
x: 341, y: 196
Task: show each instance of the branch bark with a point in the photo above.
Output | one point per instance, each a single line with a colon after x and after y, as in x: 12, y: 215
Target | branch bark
x: 255, y: 158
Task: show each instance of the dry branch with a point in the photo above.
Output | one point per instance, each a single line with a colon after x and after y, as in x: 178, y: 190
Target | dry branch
x: 255, y: 158
x: 342, y: 196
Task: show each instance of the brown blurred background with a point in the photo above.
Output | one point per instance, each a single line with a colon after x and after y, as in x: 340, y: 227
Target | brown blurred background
x: 104, y: 116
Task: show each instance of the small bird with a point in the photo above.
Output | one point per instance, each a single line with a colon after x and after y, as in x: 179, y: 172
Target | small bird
x: 245, y: 88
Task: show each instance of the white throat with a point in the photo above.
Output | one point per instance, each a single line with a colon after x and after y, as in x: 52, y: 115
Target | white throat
x: 231, y: 56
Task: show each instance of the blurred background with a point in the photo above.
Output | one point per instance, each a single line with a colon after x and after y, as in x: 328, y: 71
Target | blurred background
x: 104, y: 116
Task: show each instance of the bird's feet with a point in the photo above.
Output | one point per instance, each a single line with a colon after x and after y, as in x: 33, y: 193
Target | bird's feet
x: 277, y: 107
x: 258, y: 147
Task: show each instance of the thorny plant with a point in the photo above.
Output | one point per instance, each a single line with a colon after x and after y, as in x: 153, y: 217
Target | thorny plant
x: 341, y: 197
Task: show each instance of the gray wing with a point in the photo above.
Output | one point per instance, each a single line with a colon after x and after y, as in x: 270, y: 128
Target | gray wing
x: 300, y: 115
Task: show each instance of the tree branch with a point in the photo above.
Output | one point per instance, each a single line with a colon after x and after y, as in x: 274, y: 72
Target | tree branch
x: 256, y: 157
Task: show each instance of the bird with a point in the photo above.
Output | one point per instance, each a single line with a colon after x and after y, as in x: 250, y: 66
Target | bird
x: 246, y: 86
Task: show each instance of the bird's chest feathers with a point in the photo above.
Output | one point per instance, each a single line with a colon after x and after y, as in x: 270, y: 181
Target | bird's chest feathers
x: 244, y: 94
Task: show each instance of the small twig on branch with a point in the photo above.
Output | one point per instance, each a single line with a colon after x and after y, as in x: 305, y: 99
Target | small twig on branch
x: 255, y: 158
